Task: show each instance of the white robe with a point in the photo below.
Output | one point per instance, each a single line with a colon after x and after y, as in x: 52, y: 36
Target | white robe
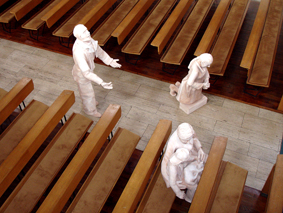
x: 84, y: 55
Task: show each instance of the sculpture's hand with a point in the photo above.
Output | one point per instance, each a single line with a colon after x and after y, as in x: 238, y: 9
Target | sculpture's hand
x: 201, y: 155
x: 107, y: 85
x: 114, y: 63
x: 206, y: 85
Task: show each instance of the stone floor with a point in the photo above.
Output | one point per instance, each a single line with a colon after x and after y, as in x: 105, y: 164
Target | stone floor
x: 254, y: 134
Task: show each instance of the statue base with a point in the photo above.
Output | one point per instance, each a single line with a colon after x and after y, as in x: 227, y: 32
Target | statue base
x: 189, y: 108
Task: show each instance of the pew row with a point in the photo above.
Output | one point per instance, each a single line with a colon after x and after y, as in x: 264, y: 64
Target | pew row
x: 31, y: 188
x: 171, y: 24
x: 260, y: 65
x: 273, y: 187
x: 142, y: 36
x: 14, y: 97
x: 224, y: 45
x: 70, y: 178
x: 29, y: 144
x: 214, y: 27
x: 103, y: 33
x: 132, y: 18
x: 180, y: 45
x: 18, y: 10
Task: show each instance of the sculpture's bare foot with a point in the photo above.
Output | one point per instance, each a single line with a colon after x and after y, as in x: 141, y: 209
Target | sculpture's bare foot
x: 177, y: 84
x: 96, y: 114
x: 172, y: 90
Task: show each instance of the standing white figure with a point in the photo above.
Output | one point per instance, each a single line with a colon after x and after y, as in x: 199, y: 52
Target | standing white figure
x: 183, y: 162
x: 189, y: 91
x: 85, y: 50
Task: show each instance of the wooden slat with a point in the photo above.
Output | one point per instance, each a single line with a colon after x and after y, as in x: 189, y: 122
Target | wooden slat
x: 200, y: 202
x: 157, y: 198
x: 169, y: 27
x: 230, y: 190
x: 275, y: 196
x: 22, y: 153
x: 180, y: 46
x: 142, y: 36
x: 103, y: 32
x: 225, y: 43
x: 56, y: 12
x: 255, y: 36
x: 2, y: 93
x: 96, y: 13
x: 3, y: 2
x: 23, y: 8
x: 261, y: 72
x: 280, y: 106
x: 35, y: 22
x: 65, y: 30
x: 22, y: 124
x: 212, y: 29
x: 14, y: 97
x: 131, y: 20
x: 136, y: 185
x: 7, y: 16
x: 100, y: 182
x: 64, y: 187
x: 25, y: 196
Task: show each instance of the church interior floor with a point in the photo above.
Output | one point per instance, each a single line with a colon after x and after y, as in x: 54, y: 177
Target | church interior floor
x: 254, y: 133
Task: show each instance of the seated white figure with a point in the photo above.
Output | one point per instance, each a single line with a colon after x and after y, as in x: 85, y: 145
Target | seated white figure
x: 184, y: 138
x: 85, y: 50
x: 189, y: 91
x: 184, y: 172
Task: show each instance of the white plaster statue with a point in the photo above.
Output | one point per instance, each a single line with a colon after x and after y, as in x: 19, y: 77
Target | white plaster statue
x: 189, y: 91
x: 85, y: 50
x: 183, y: 162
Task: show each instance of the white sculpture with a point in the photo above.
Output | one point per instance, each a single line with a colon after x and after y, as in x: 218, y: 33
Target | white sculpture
x: 183, y: 162
x: 189, y: 91
x: 85, y: 50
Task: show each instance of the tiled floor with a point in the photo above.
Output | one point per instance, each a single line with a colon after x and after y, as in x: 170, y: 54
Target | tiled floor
x: 254, y: 134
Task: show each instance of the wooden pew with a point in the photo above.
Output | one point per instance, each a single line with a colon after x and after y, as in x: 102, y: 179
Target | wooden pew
x: 22, y: 124
x: 280, y: 106
x: 255, y: 36
x: 96, y: 13
x: 142, y: 36
x: 104, y: 31
x: 87, y: 15
x: 25, y: 196
x: 135, y: 187
x: 213, y: 28
x: 14, y: 97
x: 273, y: 187
x: 101, y: 181
x: 221, y: 184
x: 226, y: 40
x: 181, y: 44
x: 260, y: 73
x: 51, y: 13
x: 131, y: 20
x: 171, y: 24
x: 23, y: 152
x: 3, y: 2
x: 56, y: 12
x: 65, y: 30
x: 18, y: 10
x: 76, y: 169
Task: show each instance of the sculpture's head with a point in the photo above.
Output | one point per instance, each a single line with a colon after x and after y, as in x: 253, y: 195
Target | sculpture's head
x: 185, y: 133
x: 206, y: 59
x: 181, y: 155
x: 81, y: 32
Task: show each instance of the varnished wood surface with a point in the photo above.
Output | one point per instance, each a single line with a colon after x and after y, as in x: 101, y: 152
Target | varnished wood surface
x: 252, y: 201
x: 231, y: 85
